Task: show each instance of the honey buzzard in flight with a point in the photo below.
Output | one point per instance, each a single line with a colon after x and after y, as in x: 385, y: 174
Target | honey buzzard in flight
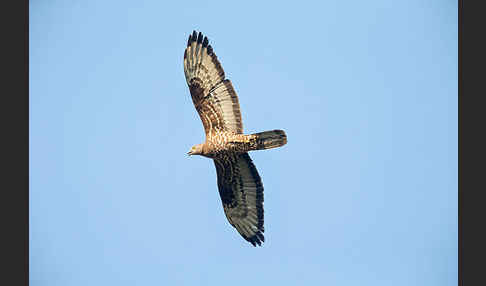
x: 240, y: 186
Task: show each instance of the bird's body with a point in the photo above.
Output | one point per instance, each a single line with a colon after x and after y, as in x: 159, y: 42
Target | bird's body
x: 216, y: 102
x: 222, y: 142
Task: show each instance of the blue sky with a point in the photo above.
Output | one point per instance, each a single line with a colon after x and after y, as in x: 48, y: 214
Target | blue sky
x: 364, y: 193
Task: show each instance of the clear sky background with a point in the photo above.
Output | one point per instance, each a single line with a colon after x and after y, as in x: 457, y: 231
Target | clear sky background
x: 364, y: 193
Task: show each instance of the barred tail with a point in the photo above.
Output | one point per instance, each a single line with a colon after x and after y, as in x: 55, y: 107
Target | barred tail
x: 270, y: 139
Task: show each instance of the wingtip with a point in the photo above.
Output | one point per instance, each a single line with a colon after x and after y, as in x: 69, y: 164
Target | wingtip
x: 260, y: 236
x: 197, y: 37
x: 256, y: 239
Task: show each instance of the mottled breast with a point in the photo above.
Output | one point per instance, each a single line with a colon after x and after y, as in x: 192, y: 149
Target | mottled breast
x: 218, y: 142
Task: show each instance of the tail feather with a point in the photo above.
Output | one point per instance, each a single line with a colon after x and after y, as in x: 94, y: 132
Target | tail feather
x: 270, y: 139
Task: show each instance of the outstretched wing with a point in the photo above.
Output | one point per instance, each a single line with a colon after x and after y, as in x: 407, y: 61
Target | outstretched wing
x: 213, y: 96
x: 241, y: 191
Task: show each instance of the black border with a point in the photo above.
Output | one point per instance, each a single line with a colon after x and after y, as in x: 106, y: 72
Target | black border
x: 460, y: 222
x: 459, y: 113
x: 471, y: 110
x: 14, y: 211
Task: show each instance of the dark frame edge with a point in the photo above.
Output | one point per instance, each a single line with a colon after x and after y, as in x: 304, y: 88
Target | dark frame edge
x: 459, y: 113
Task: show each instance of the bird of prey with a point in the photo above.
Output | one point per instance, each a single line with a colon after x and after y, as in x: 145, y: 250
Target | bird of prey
x: 239, y: 184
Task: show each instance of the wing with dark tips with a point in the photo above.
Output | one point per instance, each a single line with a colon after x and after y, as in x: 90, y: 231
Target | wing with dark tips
x: 241, y: 191
x: 213, y: 96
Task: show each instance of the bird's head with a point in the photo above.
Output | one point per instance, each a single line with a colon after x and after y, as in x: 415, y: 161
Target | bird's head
x: 196, y: 150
